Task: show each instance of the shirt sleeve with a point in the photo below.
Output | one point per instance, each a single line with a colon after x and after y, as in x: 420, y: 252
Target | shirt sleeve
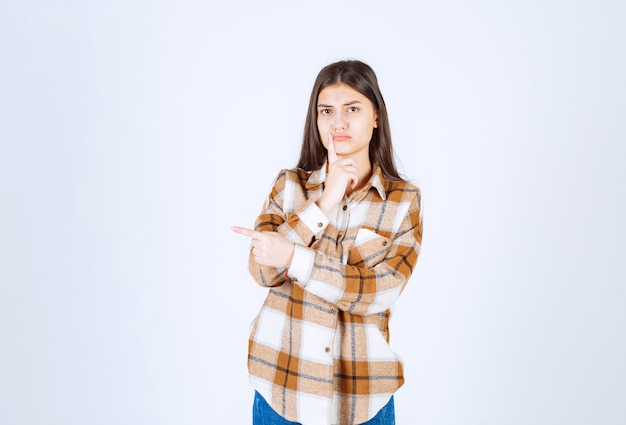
x: 300, y: 222
x: 356, y: 288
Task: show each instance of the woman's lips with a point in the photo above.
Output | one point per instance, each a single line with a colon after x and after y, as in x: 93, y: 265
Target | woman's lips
x: 340, y: 138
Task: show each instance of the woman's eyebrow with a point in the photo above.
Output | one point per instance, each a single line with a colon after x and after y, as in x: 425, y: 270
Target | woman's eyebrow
x: 352, y: 102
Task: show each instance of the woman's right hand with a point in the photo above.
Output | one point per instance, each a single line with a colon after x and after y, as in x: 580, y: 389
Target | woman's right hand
x: 342, y: 176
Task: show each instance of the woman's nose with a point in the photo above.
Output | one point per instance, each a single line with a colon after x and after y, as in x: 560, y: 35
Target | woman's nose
x: 339, y: 123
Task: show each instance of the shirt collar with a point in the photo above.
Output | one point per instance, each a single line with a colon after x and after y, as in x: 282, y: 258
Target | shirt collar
x: 376, y: 181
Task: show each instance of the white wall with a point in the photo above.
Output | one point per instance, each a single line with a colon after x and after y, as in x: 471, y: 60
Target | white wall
x: 135, y: 133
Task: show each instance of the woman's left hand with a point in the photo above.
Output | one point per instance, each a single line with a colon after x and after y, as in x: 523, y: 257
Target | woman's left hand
x: 269, y: 248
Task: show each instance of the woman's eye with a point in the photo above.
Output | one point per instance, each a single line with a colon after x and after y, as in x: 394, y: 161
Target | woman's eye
x: 353, y: 109
x: 325, y: 111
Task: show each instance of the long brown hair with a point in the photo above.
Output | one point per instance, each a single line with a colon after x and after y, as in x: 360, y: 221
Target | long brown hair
x: 360, y: 77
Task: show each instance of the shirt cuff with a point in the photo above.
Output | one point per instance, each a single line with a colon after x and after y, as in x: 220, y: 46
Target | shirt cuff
x: 301, y: 264
x: 314, y: 218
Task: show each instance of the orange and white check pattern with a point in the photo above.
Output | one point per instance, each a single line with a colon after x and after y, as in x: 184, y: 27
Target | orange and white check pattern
x: 319, y: 348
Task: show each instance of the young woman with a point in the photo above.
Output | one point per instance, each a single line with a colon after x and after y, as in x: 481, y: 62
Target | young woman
x: 336, y: 243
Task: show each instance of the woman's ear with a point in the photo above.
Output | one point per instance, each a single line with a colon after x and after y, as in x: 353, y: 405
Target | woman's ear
x: 376, y: 120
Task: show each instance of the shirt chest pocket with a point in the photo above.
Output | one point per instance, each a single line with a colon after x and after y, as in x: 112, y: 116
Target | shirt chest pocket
x: 369, y: 248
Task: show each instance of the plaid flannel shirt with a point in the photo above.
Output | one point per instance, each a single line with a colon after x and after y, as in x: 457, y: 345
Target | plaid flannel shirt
x: 318, y: 350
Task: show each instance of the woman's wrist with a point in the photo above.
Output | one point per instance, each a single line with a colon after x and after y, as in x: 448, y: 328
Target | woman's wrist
x: 324, y: 205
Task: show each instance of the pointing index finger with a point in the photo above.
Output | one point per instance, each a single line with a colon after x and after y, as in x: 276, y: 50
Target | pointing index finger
x: 247, y: 232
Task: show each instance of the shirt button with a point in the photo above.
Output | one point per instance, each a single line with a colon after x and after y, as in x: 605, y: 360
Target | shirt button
x: 384, y: 243
x: 345, y: 207
x: 333, y: 311
x: 327, y: 349
x: 320, y: 224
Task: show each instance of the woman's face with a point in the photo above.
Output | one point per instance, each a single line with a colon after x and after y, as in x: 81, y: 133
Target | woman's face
x: 347, y: 116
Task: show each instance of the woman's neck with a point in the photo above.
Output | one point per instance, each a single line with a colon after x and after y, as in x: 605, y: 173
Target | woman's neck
x: 364, y: 169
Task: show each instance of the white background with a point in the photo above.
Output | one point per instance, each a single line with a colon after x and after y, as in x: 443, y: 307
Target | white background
x: 135, y: 133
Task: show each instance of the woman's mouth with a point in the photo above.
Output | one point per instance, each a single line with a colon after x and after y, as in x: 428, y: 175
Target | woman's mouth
x: 340, y: 137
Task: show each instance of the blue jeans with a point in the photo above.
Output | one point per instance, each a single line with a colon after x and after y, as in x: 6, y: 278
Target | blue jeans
x: 263, y: 414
